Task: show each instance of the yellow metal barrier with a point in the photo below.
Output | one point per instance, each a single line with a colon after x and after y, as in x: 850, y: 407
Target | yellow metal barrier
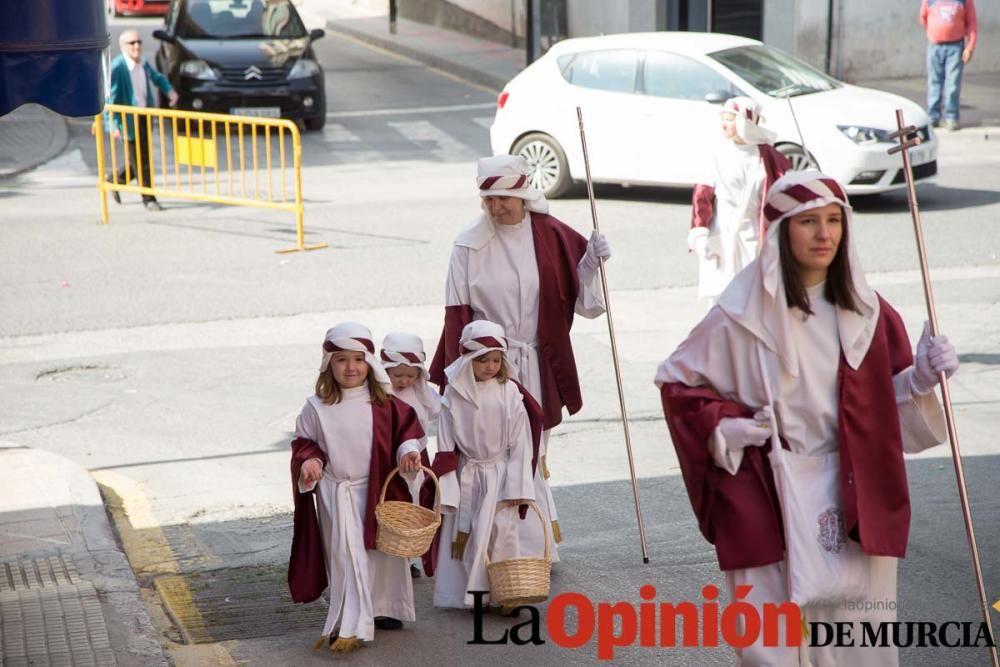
x: 202, y: 143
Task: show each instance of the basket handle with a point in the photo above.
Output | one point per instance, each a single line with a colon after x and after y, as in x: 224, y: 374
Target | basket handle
x: 437, y: 486
x: 533, y: 505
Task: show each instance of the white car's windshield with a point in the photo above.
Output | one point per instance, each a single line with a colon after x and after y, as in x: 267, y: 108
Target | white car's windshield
x: 240, y: 18
x: 774, y: 72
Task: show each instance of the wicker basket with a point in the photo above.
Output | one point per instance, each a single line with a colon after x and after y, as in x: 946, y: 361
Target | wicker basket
x: 521, y: 581
x: 405, y: 529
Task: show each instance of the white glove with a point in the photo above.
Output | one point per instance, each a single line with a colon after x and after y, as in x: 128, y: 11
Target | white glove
x: 740, y: 432
x: 934, y: 356
x: 704, y: 250
x: 598, y: 248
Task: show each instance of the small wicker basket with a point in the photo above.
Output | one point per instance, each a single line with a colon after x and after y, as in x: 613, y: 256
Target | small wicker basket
x: 405, y: 529
x: 521, y: 581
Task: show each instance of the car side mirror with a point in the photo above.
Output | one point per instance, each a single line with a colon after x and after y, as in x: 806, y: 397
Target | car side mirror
x: 163, y: 36
x: 316, y: 33
x: 717, y: 97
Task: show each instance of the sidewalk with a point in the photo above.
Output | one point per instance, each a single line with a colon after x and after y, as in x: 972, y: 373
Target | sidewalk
x: 29, y: 136
x: 67, y: 593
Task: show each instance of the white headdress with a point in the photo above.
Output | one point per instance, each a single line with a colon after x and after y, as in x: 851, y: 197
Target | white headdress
x: 404, y: 349
x: 355, y: 337
x: 748, y: 119
x: 501, y: 176
x: 756, y: 299
x: 478, y: 338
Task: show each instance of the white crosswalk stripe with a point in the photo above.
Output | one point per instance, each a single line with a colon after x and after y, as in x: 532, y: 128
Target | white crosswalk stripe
x: 483, y: 121
x: 337, y: 132
x: 448, y: 148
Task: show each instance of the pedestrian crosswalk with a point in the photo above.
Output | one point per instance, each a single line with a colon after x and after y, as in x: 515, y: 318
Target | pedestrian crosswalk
x: 453, y: 137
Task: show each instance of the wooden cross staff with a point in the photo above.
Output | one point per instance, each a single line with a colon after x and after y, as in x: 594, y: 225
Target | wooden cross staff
x: 908, y: 138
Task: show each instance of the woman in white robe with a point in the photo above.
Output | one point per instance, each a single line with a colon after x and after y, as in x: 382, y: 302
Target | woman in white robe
x: 494, y: 273
x: 367, y: 588
x: 485, y: 422
x: 827, y: 343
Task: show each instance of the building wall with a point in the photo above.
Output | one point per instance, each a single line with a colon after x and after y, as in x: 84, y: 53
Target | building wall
x: 869, y: 40
x: 498, y: 12
x: 587, y: 17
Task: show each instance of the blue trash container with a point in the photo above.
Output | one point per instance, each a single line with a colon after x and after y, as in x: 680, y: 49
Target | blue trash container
x: 51, y: 54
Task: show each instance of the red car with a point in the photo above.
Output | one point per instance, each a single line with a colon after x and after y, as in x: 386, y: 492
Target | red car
x: 138, y: 7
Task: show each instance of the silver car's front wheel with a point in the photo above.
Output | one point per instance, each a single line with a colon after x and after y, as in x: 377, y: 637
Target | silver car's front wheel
x: 547, y: 163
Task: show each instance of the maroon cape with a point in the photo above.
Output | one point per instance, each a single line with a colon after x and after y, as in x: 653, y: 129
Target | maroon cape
x: 703, y: 197
x: 393, y: 423
x: 740, y: 513
x: 558, y: 251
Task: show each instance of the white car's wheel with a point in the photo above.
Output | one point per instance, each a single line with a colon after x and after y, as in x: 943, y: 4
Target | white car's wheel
x: 549, y: 171
x: 797, y: 156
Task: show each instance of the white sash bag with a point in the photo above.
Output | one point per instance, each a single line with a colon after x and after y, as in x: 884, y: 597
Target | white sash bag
x: 823, y: 565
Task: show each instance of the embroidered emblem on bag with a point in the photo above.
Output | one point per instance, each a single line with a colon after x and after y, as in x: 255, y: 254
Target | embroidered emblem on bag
x: 831, y: 530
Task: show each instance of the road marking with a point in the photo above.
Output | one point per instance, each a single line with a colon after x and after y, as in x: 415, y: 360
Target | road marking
x: 484, y: 121
x: 448, y: 149
x: 410, y: 110
x: 149, y: 552
x: 337, y: 132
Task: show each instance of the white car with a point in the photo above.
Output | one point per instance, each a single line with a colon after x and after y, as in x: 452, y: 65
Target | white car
x: 651, y: 102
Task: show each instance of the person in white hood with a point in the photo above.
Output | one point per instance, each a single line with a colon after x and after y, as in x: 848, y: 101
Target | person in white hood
x: 727, y: 212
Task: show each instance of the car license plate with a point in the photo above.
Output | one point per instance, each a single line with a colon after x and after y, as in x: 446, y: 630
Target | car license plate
x: 257, y: 112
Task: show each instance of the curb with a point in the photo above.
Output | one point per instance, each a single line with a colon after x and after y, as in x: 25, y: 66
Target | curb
x: 464, y: 72
x: 63, y: 126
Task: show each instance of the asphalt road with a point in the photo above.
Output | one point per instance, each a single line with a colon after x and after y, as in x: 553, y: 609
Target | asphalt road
x: 169, y: 354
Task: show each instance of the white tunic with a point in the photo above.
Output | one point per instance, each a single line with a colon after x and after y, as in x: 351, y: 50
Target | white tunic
x: 806, y: 409
x: 363, y: 583
x: 428, y: 422
x: 733, y: 233
x: 500, y: 283
x: 494, y: 464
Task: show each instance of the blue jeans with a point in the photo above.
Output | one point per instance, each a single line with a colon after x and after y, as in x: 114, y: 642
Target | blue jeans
x: 944, y: 66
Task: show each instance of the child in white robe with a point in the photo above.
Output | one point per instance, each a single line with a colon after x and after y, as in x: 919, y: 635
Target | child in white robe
x: 484, y: 420
x: 403, y: 358
x: 348, y: 432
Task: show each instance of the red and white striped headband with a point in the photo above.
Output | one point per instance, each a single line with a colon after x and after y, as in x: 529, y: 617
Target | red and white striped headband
x: 407, y: 358
x: 484, y: 343
x: 782, y: 200
x: 512, y: 182
x: 733, y: 105
x: 345, y: 345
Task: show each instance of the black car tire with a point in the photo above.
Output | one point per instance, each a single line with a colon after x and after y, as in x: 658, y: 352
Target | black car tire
x: 549, y: 171
x: 797, y: 156
x: 316, y: 123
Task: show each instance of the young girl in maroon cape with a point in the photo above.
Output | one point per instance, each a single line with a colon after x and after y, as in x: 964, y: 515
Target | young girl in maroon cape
x: 801, y: 341
x: 485, y: 425
x: 403, y: 357
x: 349, y: 436
x: 520, y: 267
x: 727, y: 212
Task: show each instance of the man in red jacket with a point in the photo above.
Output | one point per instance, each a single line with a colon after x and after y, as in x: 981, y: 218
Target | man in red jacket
x: 951, y: 35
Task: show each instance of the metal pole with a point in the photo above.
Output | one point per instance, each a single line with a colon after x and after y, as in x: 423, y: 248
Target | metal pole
x: 614, y: 345
x: 392, y: 17
x: 533, y: 18
x: 963, y: 494
x: 802, y: 140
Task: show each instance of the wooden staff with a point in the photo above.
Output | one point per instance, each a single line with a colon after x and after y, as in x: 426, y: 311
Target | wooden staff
x: 614, y: 345
x: 908, y: 138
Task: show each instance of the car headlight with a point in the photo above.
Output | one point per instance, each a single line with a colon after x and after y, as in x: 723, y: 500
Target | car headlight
x: 865, y: 135
x: 199, y: 69
x: 303, y: 69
